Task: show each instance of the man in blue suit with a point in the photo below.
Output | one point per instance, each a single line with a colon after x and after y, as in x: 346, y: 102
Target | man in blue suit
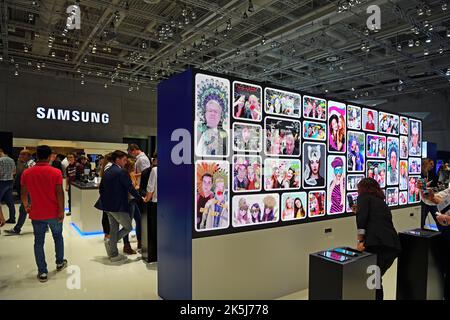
x: 114, y: 189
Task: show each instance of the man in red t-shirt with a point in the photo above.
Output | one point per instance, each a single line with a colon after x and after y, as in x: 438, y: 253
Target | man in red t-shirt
x: 43, y: 184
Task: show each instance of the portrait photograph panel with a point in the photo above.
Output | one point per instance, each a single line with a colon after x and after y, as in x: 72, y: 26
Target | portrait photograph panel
x: 377, y: 171
x: 370, y: 120
x: 247, y: 137
x: 337, y: 127
x: 212, y: 195
x: 212, y: 116
x: 403, y: 147
x: 415, y: 141
x: 376, y: 146
x: 413, y: 190
x: 356, y: 151
x: 282, y: 174
x: 282, y: 103
x: 314, y: 130
x: 336, y: 185
x: 393, y: 161
x: 247, y: 101
x: 354, y: 117
x: 403, y: 175
x: 282, y: 137
x: 354, y: 196
x: 392, y: 197
x: 247, y: 173
x: 294, y: 206
x: 404, y: 125
x: 415, y: 165
x: 314, y: 108
x: 403, y: 198
x: 314, y: 165
x: 255, y: 209
x: 316, y: 204
x: 389, y: 123
x: 353, y: 180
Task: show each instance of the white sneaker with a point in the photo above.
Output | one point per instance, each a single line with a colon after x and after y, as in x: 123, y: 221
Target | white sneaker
x: 119, y: 257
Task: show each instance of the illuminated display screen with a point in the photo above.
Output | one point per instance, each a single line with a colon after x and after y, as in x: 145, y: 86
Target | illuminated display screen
x: 268, y: 157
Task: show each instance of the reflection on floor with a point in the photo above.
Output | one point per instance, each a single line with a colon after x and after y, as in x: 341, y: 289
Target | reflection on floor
x: 99, y: 278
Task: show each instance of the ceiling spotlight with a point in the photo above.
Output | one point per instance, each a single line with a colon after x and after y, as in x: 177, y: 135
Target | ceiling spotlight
x: 38, y: 65
x: 410, y: 43
x: 1, y: 58
x: 417, y: 43
x: 428, y: 11
x: 441, y: 50
x: 85, y: 60
x: 428, y: 40
x: 263, y: 40
x: 448, y: 72
x: 353, y: 88
x: 426, y: 52
x: 444, y: 6
x: 419, y: 11
x: 193, y: 15
x: 326, y: 90
x: 448, y: 33
x: 16, y: 73
x: 130, y: 89
x: 251, y: 8
x: 30, y: 17
x: 94, y: 49
x: 66, y: 58
x: 399, y: 47
x: 106, y: 85
x: 238, y: 51
x: 43, y: 65
x: 184, y: 12
x: 82, y: 82
x: 430, y: 27
x: 25, y: 49
x: 53, y: 54
x: 416, y: 30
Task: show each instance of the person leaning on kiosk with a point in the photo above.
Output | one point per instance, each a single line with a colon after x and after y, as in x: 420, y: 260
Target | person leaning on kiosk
x: 376, y: 232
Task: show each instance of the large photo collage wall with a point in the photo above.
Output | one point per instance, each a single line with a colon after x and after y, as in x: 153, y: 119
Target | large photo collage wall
x: 266, y: 157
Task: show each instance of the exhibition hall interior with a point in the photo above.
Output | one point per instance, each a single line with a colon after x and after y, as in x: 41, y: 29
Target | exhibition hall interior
x: 224, y: 150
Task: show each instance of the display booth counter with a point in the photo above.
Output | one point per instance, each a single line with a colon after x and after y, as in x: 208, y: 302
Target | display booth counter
x: 420, y: 271
x: 340, y: 274
x: 86, y: 219
x: 246, y: 167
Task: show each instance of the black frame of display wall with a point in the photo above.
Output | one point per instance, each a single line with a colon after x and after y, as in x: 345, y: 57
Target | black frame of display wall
x: 307, y: 219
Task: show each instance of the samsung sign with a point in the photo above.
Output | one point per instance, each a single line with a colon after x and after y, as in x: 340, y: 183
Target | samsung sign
x: 71, y: 115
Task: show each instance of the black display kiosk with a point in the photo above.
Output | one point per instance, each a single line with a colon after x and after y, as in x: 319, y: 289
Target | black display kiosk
x: 331, y: 279
x: 420, y: 274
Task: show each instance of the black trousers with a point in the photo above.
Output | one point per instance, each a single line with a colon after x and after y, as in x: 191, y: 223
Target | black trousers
x: 385, y: 258
x: 425, y: 209
x: 105, y: 223
x: 153, y: 237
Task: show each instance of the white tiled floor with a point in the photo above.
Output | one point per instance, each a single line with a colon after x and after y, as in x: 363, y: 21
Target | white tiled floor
x: 99, y: 278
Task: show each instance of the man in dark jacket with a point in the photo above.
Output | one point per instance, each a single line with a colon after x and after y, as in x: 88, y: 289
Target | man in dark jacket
x: 114, y: 189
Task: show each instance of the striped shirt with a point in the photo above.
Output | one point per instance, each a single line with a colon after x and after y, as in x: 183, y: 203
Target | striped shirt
x: 7, y: 169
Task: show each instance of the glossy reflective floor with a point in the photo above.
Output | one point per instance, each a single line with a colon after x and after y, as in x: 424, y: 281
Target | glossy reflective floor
x: 89, y: 269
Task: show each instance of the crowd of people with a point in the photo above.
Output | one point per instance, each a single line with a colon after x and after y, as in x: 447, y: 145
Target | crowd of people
x: 127, y: 188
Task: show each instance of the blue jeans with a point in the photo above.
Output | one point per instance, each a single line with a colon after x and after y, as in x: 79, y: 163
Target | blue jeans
x: 135, y: 214
x: 6, y: 194
x: 40, y: 227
